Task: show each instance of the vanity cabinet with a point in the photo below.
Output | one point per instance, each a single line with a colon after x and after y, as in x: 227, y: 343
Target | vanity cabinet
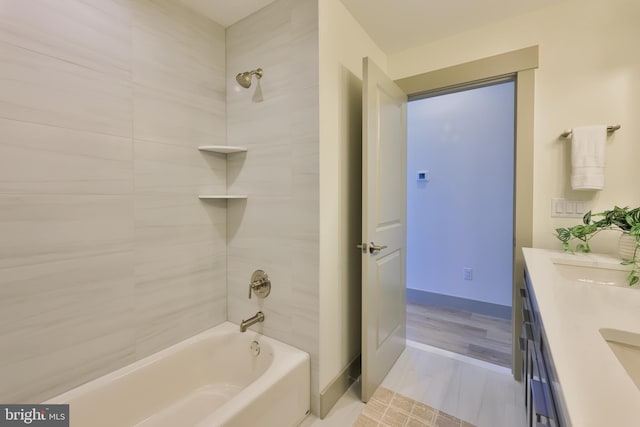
x: 573, y: 376
x: 543, y: 401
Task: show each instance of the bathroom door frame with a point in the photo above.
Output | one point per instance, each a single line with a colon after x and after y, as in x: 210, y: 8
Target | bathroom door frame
x: 519, y: 64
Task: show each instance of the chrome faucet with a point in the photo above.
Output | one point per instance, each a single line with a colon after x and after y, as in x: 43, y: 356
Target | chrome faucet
x: 259, y: 317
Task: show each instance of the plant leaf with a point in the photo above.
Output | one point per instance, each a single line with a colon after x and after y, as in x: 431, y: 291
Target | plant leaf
x: 577, y: 230
x: 590, y: 229
x: 630, y: 220
x: 563, y: 234
x: 587, y: 218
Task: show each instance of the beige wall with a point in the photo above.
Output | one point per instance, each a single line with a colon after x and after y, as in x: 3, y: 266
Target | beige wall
x: 343, y: 44
x: 106, y: 253
x: 589, y: 74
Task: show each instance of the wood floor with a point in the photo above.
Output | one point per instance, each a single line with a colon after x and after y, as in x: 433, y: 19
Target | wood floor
x: 482, y: 337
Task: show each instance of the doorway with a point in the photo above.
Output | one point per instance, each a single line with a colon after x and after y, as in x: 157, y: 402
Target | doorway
x: 460, y: 220
x: 521, y: 64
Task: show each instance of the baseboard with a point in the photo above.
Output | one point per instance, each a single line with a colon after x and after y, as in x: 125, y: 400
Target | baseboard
x: 330, y: 395
x: 481, y: 307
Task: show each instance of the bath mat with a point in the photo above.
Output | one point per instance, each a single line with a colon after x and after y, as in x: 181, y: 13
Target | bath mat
x: 388, y: 408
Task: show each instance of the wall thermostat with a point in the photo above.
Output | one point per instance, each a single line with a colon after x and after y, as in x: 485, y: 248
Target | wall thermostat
x: 424, y: 176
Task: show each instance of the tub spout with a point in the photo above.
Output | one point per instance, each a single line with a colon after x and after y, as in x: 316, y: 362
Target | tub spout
x: 259, y: 317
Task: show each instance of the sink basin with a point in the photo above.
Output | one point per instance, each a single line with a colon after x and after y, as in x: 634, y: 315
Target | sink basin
x: 626, y: 346
x: 602, y: 274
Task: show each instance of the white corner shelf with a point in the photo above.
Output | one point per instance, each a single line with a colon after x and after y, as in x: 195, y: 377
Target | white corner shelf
x: 222, y: 149
x: 221, y: 196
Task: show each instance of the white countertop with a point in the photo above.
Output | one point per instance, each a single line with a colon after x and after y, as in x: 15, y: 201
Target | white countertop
x: 596, y: 389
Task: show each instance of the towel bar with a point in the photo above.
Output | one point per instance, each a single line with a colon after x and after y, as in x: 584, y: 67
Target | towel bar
x: 610, y: 129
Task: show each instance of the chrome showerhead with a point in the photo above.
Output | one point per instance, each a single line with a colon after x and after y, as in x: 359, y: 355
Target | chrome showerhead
x: 244, y: 79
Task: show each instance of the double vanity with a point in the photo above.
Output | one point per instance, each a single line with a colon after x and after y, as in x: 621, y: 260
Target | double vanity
x: 580, y: 340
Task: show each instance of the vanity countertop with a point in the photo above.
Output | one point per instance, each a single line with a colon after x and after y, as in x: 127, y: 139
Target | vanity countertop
x: 595, y: 387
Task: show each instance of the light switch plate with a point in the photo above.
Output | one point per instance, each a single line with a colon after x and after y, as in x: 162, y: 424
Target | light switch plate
x: 563, y: 208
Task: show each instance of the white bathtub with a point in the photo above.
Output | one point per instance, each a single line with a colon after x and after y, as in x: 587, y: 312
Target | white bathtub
x: 211, y: 379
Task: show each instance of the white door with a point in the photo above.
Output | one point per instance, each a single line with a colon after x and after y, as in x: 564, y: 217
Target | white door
x: 383, y: 225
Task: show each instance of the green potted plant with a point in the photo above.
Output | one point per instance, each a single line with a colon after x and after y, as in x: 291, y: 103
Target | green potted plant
x: 621, y: 219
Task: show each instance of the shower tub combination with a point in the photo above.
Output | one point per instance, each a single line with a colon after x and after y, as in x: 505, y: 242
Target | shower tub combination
x: 220, y: 377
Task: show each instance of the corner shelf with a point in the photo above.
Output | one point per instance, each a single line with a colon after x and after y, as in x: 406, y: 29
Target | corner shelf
x: 222, y: 149
x: 221, y: 196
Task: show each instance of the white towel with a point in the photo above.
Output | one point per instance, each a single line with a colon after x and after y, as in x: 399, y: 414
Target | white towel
x: 587, y: 157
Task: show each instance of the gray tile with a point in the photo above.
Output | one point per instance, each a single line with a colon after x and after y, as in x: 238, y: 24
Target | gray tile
x: 277, y: 228
x: 107, y: 254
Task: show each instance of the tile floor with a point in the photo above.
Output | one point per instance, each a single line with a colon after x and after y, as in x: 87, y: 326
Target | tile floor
x: 480, y: 393
x: 387, y: 407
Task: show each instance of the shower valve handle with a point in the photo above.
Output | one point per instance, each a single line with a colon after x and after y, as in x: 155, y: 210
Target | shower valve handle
x: 260, y: 284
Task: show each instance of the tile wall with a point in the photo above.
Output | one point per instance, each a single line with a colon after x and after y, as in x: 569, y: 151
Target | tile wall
x: 106, y: 253
x: 277, y: 228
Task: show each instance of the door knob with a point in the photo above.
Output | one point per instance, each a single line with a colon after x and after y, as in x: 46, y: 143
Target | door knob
x: 375, y: 248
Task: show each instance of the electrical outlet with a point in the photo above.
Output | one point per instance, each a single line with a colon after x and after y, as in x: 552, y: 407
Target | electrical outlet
x: 467, y: 273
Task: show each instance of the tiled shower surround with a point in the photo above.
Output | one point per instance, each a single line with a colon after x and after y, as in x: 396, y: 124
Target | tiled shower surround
x: 277, y: 228
x: 107, y: 254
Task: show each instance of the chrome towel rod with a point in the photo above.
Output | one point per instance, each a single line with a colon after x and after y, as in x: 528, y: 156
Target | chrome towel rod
x: 610, y: 129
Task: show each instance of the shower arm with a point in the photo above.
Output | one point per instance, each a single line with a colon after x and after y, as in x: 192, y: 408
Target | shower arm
x: 257, y: 72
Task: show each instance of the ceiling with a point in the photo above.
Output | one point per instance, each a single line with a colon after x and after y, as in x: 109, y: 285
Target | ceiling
x: 226, y: 12
x: 394, y: 25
